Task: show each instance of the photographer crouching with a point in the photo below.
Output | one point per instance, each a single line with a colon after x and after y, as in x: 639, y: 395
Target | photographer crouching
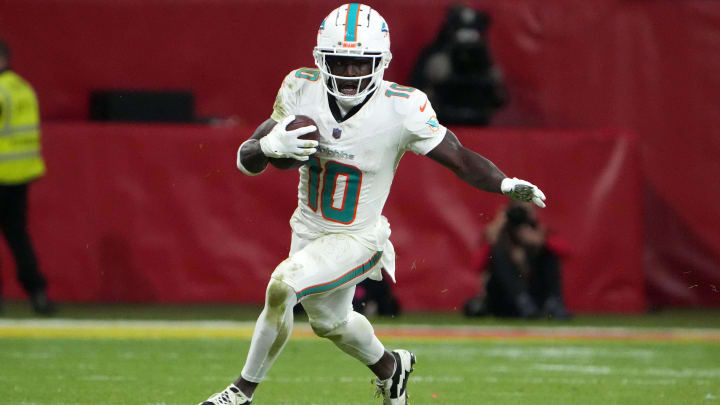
x: 522, y: 270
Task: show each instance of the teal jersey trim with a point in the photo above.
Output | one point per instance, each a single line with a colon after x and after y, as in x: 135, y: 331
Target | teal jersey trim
x: 344, y: 279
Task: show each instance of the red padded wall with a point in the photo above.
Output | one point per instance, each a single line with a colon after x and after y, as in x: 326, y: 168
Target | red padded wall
x: 233, y: 54
x: 160, y: 214
x: 647, y: 67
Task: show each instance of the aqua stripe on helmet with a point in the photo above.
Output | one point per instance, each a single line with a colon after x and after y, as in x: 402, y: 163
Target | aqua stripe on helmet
x: 351, y: 22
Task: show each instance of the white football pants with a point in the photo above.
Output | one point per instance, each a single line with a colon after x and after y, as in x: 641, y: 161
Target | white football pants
x: 321, y: 274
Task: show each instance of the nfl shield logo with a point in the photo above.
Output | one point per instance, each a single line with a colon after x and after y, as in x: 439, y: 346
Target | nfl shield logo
x: 336, y: 133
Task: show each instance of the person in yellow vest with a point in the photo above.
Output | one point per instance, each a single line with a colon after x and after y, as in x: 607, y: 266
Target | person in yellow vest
x: 20, y: 164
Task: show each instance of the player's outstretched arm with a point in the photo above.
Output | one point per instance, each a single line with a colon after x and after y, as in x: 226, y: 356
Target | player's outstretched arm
x: 470, y: 166
x: 481, y: 173
x: 271, y: 140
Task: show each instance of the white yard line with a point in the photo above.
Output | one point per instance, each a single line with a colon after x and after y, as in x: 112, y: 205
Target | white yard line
x: 59, y: 327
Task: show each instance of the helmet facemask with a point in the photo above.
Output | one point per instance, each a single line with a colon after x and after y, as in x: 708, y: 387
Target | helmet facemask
x: 362, y: 85
x: 353, y: 31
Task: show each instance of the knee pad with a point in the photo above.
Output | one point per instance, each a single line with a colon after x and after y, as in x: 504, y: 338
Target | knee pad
x: 324, y: 329
x: 279, y: 296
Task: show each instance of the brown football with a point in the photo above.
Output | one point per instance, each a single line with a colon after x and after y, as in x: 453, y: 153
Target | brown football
x: 304, y: 121
x: 299, y: 122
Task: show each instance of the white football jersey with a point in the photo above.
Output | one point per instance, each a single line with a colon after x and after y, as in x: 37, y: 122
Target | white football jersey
x: 344, y: 186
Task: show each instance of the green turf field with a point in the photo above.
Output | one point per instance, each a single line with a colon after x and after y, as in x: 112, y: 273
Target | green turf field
x: 81, y: 361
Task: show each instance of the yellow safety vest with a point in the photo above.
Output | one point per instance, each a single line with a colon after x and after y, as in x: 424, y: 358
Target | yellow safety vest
x: 20, y: 158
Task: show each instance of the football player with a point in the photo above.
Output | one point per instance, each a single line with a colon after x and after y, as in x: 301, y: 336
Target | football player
x: 339, y: 236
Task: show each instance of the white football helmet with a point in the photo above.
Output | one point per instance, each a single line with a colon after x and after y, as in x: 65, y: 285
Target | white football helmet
x: 354, y: 30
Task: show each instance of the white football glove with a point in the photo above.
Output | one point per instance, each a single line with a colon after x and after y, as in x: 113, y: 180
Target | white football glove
x: 280, y: 143
x: 522, y: 190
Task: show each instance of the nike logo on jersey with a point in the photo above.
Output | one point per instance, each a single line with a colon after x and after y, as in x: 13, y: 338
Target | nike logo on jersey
x: 422, y: 109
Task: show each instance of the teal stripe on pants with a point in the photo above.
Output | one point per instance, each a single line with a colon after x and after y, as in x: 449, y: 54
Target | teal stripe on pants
x: 344, y: 279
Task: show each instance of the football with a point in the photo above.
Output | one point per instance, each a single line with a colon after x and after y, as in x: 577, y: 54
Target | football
x: 299, y: 122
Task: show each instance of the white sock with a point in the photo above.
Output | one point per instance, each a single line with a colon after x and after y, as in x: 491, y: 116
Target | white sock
x: 272, y: 331
x: 357, y: 338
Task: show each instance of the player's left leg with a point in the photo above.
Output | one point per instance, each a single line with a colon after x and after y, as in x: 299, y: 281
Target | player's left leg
x: 331, y: 316
x: 329, y: 309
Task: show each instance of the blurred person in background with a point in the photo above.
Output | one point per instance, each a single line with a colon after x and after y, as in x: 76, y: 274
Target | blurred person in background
x: 521, y: 268
x: 457, y: 71
x: 20, y: 164
x: 375, y: 298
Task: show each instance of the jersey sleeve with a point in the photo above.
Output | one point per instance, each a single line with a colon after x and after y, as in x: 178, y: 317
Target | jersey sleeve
x: 421, y: 125
x: 287, y: 96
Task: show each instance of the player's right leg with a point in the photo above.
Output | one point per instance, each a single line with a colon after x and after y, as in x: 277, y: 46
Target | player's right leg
x: 272, y: 331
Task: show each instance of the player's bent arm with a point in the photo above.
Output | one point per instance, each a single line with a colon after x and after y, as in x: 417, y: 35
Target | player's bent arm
x: 468, y: 165
x: 271, y: 141
x: 250, y: 158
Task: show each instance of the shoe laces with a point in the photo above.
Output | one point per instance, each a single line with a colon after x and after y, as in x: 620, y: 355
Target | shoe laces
x: 224, y: 398
x: 380, y: 390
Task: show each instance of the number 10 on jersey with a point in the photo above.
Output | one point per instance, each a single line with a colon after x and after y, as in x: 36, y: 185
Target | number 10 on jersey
x: 334, y: 174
